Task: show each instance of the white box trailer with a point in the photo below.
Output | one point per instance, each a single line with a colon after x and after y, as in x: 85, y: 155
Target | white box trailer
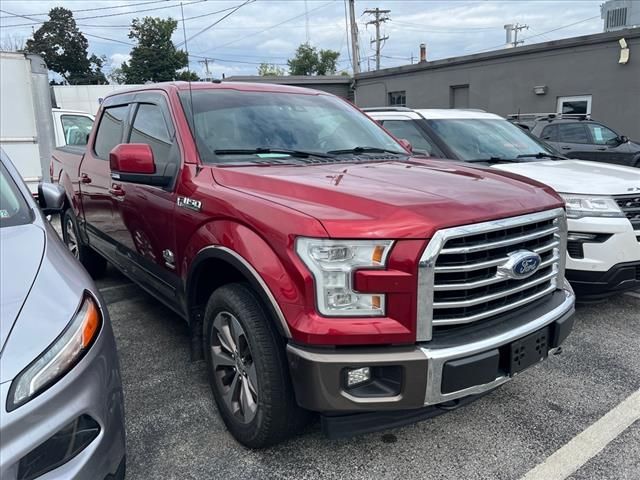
x: 26, y: 128
x: 86, y: 98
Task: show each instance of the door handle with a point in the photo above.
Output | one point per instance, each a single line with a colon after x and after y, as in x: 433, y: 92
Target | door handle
x: 566, y: 148
x: 84, y: 178
x: 116, y: 190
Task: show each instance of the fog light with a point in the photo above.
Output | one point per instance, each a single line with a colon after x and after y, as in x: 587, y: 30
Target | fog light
x: 357, y: 376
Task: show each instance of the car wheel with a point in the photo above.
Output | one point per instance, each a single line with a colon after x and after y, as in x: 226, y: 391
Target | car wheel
x: 247, y: 368
x: 94, y: 263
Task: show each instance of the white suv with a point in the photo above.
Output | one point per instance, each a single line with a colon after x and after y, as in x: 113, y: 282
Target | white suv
x: 603, y: 201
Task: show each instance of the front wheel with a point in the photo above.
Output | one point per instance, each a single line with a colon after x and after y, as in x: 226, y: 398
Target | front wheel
x: 247, y: 369
x: 94, y: 263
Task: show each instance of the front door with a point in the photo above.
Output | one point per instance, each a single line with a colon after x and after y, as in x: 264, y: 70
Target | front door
x: 143, y: 224
x: 607, y: 145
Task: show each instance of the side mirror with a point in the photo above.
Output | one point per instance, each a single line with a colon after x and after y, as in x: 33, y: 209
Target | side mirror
x: 133, y: 163
x: 623, y: 139
x: 51, y: 198
x: 406, y: 144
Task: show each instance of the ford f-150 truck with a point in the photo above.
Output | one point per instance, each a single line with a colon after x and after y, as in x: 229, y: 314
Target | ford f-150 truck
x: 319, y: 267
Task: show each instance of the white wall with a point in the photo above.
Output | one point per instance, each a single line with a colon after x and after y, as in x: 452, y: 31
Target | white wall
x: 86, y: 98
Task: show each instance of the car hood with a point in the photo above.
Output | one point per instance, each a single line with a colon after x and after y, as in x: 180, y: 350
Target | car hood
x: 21, y: 257
x: 578, y: 176
x: 392, y: 199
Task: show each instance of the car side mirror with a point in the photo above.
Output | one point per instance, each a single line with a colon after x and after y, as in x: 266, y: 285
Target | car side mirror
x: 623, y: 139
x: 134, y: 163
x: 406, y: 144
x: 51, y: 198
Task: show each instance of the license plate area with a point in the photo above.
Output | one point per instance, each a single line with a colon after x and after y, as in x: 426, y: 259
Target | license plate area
x: 528, y: 351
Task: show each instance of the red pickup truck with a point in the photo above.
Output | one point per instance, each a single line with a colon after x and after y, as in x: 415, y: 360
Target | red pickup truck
x: 319, y: 267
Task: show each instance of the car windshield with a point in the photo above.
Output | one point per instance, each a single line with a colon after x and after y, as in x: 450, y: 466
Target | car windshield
x: 488, y: 139
x: 13, y: 207
x: 240, y: 126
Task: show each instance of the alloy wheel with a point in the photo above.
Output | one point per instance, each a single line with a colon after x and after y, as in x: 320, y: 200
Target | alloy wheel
x: 71, y: 240
x: 233, y: 366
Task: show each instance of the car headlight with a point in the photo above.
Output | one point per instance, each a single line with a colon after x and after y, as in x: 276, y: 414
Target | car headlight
x: 332, y: 263
x: 579, y: 206
x: 60, y: 357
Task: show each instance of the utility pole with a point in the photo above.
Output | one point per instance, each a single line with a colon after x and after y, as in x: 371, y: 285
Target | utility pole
x: 355, y: 49
x: 205, y: 62
x: 380, y: 16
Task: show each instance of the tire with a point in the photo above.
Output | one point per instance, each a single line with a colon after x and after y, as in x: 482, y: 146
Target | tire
x: 247, y: 368
x: 94, y: 263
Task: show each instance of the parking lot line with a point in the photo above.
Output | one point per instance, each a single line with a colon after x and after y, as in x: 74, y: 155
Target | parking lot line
x: 588, y: 443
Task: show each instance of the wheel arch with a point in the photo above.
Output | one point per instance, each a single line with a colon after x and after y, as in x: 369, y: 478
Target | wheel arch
x: 229, y: 266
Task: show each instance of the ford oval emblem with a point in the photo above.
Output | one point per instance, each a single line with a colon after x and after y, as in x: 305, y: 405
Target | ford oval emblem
x: 521, y: 264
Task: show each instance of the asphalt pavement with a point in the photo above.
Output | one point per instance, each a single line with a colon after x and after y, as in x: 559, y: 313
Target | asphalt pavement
x: 174, y: 431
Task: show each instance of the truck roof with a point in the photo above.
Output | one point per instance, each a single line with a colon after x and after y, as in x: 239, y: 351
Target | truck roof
x: 239, y: 86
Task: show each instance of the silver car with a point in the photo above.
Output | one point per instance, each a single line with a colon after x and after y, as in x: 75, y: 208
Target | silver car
x: 61, y: 404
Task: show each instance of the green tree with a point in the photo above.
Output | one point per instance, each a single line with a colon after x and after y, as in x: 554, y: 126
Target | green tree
x: 187, y: 76
x: 309, y: 60
x: 65, y: 49
x: 154, y: 58
x: 270, y: 70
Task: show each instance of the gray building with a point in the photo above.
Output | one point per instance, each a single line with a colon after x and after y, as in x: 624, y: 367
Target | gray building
x: 340, y: 85
x: 596, y: 74
x: 620, y: 14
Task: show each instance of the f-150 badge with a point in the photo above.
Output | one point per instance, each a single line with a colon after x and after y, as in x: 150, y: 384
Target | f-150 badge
x: 190, y: 203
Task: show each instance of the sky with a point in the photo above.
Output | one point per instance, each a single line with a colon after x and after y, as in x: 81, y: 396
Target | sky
x: 271, y: 30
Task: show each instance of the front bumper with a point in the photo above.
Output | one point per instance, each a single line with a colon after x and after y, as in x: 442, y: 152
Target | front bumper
x: 597, y: 285
x: 92, y: 388
x: 450, y: 367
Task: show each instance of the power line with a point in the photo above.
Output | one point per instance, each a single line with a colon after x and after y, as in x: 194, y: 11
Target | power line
x: 106, y: 15
x: 236, y: 8
x: 89, y: 9
x: 244, y: 37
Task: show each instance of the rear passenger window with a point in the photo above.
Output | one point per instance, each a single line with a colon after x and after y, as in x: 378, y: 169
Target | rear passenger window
x: 550, y: 133
x: 572, y: 133
x: 110, y: 130
x: 150, y: 127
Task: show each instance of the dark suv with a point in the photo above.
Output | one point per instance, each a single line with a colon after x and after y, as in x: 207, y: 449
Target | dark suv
x: 577, y: 136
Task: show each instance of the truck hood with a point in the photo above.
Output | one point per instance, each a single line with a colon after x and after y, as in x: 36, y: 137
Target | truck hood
x: 391, y: 199
x: 578, y: 176
x: 21, y: 256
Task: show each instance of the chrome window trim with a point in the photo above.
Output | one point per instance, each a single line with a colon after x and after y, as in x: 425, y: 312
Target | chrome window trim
x: 427, y: 268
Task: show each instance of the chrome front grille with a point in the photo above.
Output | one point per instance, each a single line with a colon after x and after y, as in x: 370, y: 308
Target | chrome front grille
x: 461, y: 274
x: 630, y: 205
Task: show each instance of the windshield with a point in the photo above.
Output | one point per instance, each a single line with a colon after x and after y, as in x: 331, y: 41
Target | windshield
x: 477, y: 139
x: 13, y: 207
x: 232, y: 120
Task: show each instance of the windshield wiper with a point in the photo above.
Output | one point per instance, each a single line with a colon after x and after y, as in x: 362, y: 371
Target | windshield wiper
x: 359, y: 150
x: 488, y: 160
x: 267, y: 150
x: 541, y: 155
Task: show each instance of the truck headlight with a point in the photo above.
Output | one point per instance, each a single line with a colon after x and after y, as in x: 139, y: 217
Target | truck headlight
x: 332, y: 263
x: 579, y: 206
x: 60, y: 357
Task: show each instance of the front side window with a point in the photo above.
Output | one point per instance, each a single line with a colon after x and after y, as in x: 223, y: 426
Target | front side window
x: 601, y: 135
x: 398, y: 99
x: 76, y: 129
x: 406, y: 129
x: 149, y: 127
x: 230, y: 120
x: 572, y: 133
x: 110, y: 130
x: 13, y: 207
x: 479, y: 139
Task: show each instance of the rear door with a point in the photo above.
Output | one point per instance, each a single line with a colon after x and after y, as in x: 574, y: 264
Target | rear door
x: 143, y: 223
x: 95, y: 178
x: 572, y: 140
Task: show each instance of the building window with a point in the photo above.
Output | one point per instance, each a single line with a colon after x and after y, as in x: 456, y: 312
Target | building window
x: 398, y: 99
x: 578, y: 105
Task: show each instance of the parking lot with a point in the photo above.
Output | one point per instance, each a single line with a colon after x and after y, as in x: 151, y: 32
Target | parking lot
x: 174, y: 431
